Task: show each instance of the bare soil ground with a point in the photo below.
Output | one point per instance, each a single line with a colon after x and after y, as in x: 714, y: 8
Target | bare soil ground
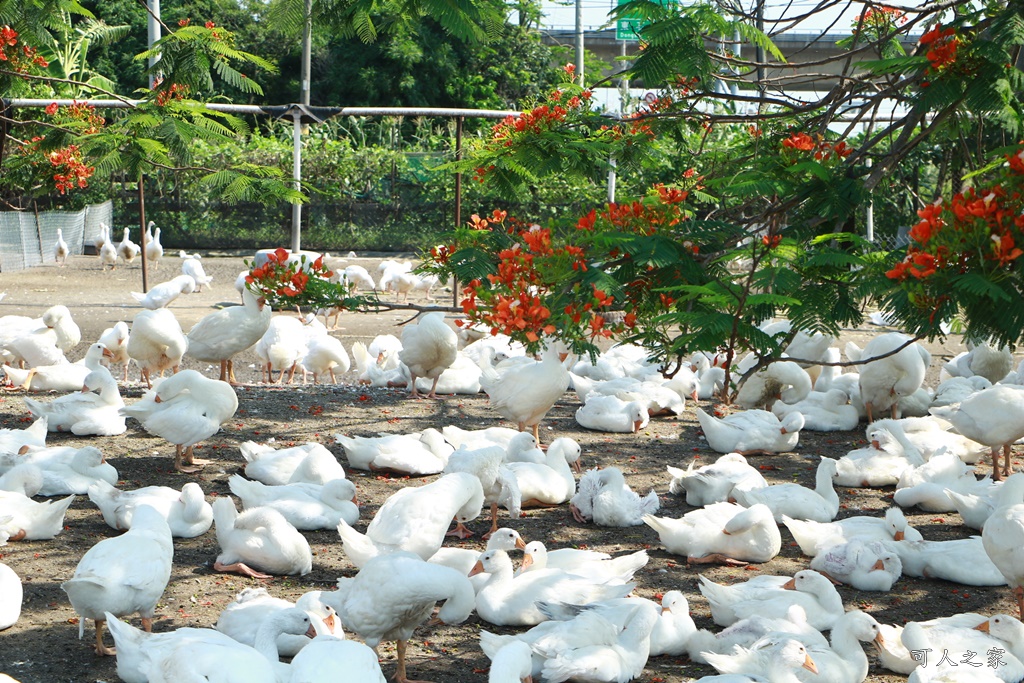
x: 43, y: 646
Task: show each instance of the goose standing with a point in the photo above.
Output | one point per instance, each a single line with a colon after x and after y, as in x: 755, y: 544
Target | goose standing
x: 1003, y: 536
x: 123, y: 575
x: 156, y: 343
x: 127, y: 250
x: 116, y: 340
x: 185, y: 409
x: 884, y: 381
x: 219, y: 336
x: 525, y: 393
x: 993, y: 417
x: 428, y: 349
x: 108, y: 252
x: 499, y: 483
x: 60, y: 250
x: 191, y: 266
x: 393, y: 594
x: 154, y: 250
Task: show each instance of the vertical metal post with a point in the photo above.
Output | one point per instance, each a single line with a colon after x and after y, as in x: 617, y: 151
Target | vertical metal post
x: 153, y: 35
x: 458, y: 198
x: 761, y: 57
x: 734, y: 87
x: 307, y: 36
x: 869, y: 228
x: 611, y: 180
x: 142, y: 232
x: 297, y: 177
x: 579, y: 41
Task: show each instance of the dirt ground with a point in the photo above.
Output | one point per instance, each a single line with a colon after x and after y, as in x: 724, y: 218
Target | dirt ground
x: 43, y: 646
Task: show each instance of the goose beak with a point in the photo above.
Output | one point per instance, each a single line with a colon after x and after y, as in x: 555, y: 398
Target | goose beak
x: 107, y: 353
x: 527, y: 562
x: 478, y: 568
x: 983, y: 626
x: 810, y: 665
x: 85, y: 389
x: 261, y: 302
x: 355, y: 500
x: 528, y: 679
x: 637, y: 424
x: 157, y: 399
x: 694, y: 395
x: 23, y: 450
x: 520, y: 544
x: 898, y: 536
x: 311, y: 632
x: 790, y: 585
x: 562, y: 357
x: 879, y: 640
x: 876, y: 445
x: 577, y: 466
x: 330, y: 621
x: 782, y: 430
x: 878, y: 565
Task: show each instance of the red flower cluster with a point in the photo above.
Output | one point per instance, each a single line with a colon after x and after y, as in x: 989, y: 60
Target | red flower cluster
x: 177, y: 91
x: 18, y: 60
x: 943, y: 47
x: 976, y: 230
x: 285, y: 281
x: 69, y: 169
x: 881, y: 17
x: 539, y: 119
x: 823, y: 150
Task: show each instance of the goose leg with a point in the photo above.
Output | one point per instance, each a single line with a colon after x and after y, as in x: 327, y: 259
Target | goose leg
x: 412, y: 383
x: 576, y: 514
x: 101, y: 649
x: 870, y: 411
x: 192, y: 465
x: 1018, y: 593
x: 997, y: 474
x: 433, y: 389
x: 1007, y: 450
x: 240, y: 568
x: 716, y: 558
x: 400, y: 676
x: 223, y: 371
x: 231, y: 372
x: 460, y: 530
x: 494, y: 522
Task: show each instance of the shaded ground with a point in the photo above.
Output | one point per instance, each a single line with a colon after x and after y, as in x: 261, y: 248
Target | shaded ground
x: 43, y: 646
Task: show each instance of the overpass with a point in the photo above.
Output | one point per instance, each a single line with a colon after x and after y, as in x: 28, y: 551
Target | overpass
x: 796, y: 47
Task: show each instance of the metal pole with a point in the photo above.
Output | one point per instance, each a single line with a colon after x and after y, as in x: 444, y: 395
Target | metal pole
x: 734, y: 87
x: 307, y: 33
x: 142, y: 232
x: 760, y: 55
x: 579, y: 41
x: 297, y: 176
x: 458, y: 199
x: 611, y: 179
x: 153, y: 35
x: 870, y: 221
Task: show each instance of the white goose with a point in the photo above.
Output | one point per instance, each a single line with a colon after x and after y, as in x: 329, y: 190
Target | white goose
x: 70, y: 470
x: 993, y: 417
x: 123, y: 575
x: 603, y: 413
x: 525, y: 393
x: 793, y: 500
x: 814, y: 537
x: 823, y: 412
x: 428, y: 349
x: 506, y: 600
x: 243, y: 618
x: 961, y: 561
x: 772, y: 596
x: 720, y: 533
x: 499, y: 482
x: 163, y: 294
x: 187, y: 513
x: 749, y: 630
x: 156, y: 343
x: 23, y: 519
x: 752, y: 431
x: 880, y: 463
x: 258, y: 539
x: 61, y: 377
x: 309, y: 462
x: 621, y: 568
x: 185, y: 409
x: 714, y: 483
x: 305, y: 506
x: 282, y: 346
x: 780, y: 659
x: 883, y: 382
x: 10, y: 597
x: 781, y: 380
x: 115, y: 338
x: 925, y: 485
x: 416, y: 454
x: 154, y: 250
x: 871, y: 566
x: 127, y: 250
x: 1003, y: 536
x: 611, y: 502
x: 221, y: 335
x: 415, y: 519
x: 393, y: 594
x: 61, y: 250
x: 193, y: 267
x: 85, y: 413
x: 551, y: 482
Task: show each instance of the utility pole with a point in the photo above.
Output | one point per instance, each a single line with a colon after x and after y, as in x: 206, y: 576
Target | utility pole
x: 761, y: 57
x: 298, y: 129
x: 579, y: 41
x: 153, y: 35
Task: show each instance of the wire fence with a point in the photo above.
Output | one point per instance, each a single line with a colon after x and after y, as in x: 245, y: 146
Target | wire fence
x: 29, y: 238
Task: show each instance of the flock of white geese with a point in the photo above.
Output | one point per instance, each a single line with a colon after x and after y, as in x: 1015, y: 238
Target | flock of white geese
x: 573, y: 608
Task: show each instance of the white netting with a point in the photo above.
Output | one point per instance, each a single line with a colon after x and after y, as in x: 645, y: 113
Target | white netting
x: 27, y: 240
